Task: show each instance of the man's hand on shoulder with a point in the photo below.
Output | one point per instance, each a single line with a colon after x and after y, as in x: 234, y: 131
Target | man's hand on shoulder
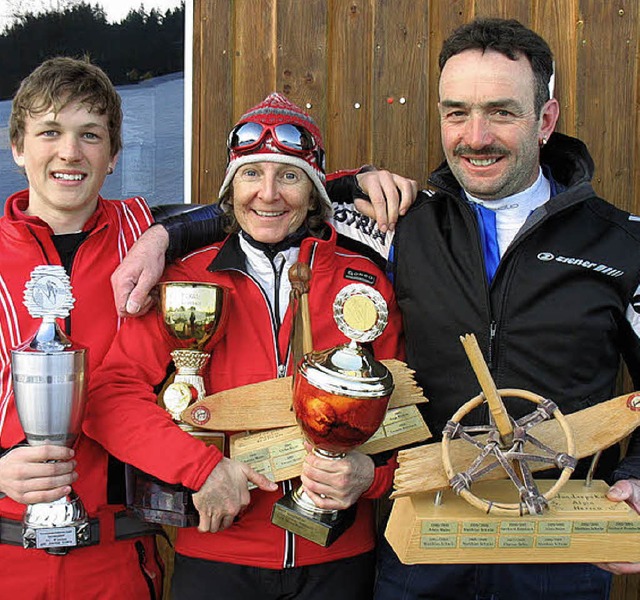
x: 390, y: 196
x: 140, y: 270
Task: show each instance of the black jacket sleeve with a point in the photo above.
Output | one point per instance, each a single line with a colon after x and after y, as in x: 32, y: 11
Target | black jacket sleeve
x: 190, y: 227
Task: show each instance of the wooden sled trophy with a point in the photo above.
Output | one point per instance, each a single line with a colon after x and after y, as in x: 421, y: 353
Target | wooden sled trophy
x: 472, y: 498
x: 269, y: 435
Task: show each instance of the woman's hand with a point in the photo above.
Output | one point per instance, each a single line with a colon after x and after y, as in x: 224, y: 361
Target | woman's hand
x: 337, y: 483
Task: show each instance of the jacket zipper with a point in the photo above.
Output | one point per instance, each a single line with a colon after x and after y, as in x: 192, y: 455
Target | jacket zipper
x: 281, y: 370
x: 493, y: 326
x: 289, y: 546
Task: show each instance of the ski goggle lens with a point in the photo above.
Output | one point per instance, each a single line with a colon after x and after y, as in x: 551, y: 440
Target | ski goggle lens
x: 248, y: 135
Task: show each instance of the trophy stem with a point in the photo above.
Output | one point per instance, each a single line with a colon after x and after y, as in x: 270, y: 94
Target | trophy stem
x: 301, y: 498
x: 328, y: 454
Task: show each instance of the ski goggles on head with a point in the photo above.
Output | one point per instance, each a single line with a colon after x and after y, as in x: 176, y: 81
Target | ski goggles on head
x: 288, y: 138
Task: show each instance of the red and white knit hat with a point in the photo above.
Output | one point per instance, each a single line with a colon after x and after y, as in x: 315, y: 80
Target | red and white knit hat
x: 274, y: 110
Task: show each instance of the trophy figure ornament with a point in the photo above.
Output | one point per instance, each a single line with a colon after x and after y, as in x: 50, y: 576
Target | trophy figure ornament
x: 49, y: 384
x: 340, y: 397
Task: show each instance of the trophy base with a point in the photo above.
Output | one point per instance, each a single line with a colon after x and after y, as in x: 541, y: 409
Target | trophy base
x: 154, y: 501
x: 56, y: 526
x: 580, y: 525
x: 321, y: 527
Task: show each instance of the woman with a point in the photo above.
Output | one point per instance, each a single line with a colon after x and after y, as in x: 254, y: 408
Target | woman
x: 275, y: 197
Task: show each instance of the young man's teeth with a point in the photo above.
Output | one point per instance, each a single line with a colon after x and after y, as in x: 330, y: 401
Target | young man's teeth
x: 482, y: 162
x: 262, y: 213
x: 69, y: 176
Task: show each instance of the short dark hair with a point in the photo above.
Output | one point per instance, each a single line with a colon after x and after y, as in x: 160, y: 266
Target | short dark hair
x: 59, y: 81
x: 511, y: 38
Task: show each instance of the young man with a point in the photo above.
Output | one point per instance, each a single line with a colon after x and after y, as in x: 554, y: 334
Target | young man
x: 65, y: 133
x: 480, y: 255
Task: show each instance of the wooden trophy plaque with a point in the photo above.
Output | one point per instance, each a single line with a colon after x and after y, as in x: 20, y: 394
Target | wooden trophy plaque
x: 473, y: 499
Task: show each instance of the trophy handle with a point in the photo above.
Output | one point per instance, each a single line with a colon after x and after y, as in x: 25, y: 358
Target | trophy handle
x: 302, y: 341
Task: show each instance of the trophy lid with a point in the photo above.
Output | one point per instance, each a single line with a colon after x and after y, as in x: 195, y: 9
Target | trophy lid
x: 350, y: 369
x: 347, y: 370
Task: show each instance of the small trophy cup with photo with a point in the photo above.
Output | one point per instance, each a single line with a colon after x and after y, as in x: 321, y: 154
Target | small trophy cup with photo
x: 49, y: 384
x: 340, y: 398
x: 192, y: 315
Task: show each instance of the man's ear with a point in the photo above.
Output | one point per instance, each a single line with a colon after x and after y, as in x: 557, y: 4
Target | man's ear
x: 548, y: 118
x: 113, y: 162
x: 18, y: 155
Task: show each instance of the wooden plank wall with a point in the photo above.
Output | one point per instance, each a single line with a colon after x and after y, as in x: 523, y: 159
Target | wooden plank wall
x: 367, y: 72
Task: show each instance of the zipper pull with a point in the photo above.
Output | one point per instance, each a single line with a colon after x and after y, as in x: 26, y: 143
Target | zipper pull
x: 492, y: 334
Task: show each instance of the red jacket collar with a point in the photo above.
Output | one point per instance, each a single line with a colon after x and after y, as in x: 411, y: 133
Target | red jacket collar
x: 17, y: 203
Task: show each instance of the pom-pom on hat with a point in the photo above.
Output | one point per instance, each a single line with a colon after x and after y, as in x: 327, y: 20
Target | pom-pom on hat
x: 300, y: 145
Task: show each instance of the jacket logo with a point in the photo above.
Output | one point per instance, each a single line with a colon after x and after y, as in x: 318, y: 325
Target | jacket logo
x: 358, y: 221
x: 360, y: 276
x: 581, y: 262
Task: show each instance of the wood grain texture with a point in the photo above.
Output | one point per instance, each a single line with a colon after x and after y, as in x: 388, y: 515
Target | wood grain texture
x: 212, y: 111
x: 331, y: 55
x: 607, y: 100
x: 400, y: 93
x: 301, y: 59
x: 267, y: 405
x: 348, y: 132
x: 254, y: 53
x: 595, y: 428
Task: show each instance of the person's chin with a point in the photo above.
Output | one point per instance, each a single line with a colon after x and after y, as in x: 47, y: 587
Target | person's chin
x: 268, y: 237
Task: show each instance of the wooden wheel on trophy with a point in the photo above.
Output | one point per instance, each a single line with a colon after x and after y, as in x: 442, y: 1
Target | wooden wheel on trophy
x: 506, y: 444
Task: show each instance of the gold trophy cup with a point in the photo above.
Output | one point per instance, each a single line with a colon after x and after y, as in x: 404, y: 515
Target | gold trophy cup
x: 340, y: 397
x: 192, y: 314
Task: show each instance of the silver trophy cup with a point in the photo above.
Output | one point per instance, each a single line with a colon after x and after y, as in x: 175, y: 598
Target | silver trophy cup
x: 49, y: 385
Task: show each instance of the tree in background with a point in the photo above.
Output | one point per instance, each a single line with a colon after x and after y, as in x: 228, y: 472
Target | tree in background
x: 143, y: 45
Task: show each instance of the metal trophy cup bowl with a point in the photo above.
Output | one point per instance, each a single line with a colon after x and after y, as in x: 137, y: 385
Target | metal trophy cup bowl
x: 192, y: 315
x: 49, y: 384
x: 340, y: 397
